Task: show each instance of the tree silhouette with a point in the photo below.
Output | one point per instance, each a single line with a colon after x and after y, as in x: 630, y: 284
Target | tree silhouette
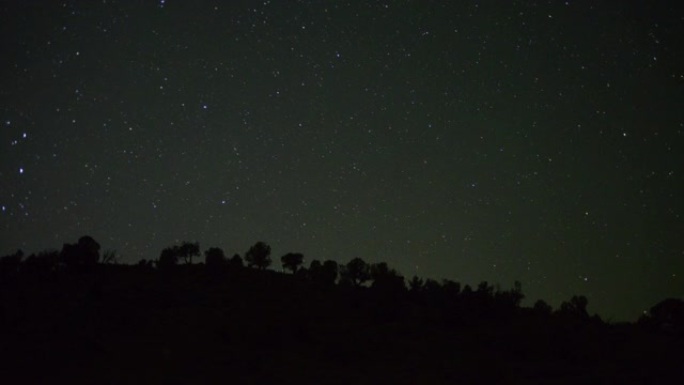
x: 542, y: 308
x: 356, y: 271
x: 70, y: 256
x: 144, y: 265
x: 314, y: 271
x: 323, y: 273
x: 511, y: 298
x: 80, y: 256
x: 386, y: 279
x: 484, y: 290
x: 9, y: 264
x: 292, y: 261
x: 109, y: 257
x: 379, y: 270
x: 90, y: 249
x: 329, y: 272
x: 416, y: 284
x: 44, y: 262
x: 667, y: 315
x: 259, y: 256
x: 236, y: 262
x: 575, y: 308
x: 315, y: 265
x: 168, y: 257
x: 214, y: 257
x: 187, y: 250
x: 451, y: 288
x: 516, y: 294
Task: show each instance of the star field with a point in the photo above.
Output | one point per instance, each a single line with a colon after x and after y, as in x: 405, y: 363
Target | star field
x: 474, y: 140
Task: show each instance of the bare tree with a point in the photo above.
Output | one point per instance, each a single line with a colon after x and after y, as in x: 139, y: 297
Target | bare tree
x: 110, y: 257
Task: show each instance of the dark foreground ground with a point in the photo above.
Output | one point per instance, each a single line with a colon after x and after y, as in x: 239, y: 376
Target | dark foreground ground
x: 127, y: 325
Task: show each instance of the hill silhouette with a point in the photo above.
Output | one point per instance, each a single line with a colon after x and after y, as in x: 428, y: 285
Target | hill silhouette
x: 75, y: 316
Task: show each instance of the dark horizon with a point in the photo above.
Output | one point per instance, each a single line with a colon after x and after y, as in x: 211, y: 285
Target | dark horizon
x: 82, y: 318
x: 56, y: 261
x: 471, y: 141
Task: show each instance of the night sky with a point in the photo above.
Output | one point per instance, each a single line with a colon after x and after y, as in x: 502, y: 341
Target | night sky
x: 540, y: 141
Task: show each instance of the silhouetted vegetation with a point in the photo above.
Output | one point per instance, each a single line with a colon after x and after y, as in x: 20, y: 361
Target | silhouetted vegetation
x: 9, y: 264
x: 215, y: 258
x: 168, y: 257
x: 80, y: 256
x: 323, y: 274
x: 259, y: 256
x: 75, y: 316
x: 236, y: 261
x: 667, y: 315
x: 355, y: 272
x: 292, y: 261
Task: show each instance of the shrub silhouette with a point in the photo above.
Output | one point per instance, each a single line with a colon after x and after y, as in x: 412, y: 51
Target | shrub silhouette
x: 542, y: 308
x: 145, y: 266
x: 44, y: 262
x: 259, y: 256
